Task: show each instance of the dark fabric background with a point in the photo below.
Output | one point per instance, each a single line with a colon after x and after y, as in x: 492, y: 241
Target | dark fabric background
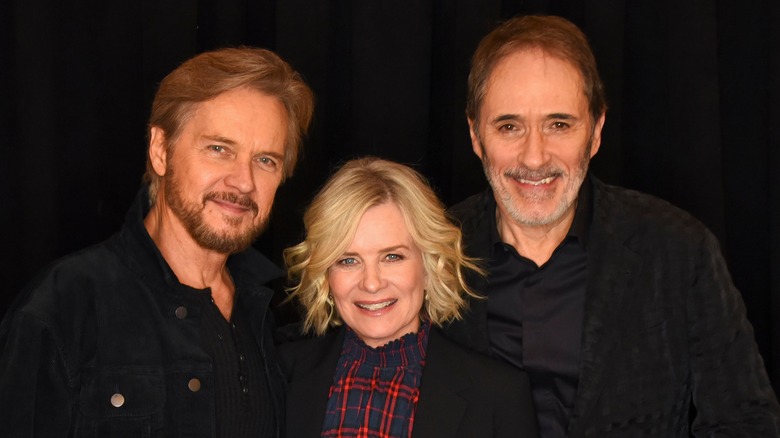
x: 693, y: 93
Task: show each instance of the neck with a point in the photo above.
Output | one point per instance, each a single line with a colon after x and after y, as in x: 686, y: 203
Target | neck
x: 538, y: 242
x: 193, y: 265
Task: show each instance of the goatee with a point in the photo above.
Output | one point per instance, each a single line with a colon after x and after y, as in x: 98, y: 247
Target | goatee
x: 228, y: 241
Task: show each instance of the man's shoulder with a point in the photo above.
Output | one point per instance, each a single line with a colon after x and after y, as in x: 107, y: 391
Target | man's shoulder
x: 631, y: 210
x: 88, y: 264
x: 470, y: 207
x: 470, y: 214
x: 622, y: 197
x: 71, y: 280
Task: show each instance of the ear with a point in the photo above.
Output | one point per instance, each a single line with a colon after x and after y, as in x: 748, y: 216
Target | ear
x: 158, y: 151
x: 476, y: 145
x: 596, y: 142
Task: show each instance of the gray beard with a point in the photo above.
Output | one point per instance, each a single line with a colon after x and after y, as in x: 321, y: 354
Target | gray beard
x: 507, y: 201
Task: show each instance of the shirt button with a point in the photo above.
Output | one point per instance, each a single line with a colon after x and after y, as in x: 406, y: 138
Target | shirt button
x: 246, y: 390
x: 181, y: 312
x: 194, y: 385
x: 240, y: 357
x: 117, y: 400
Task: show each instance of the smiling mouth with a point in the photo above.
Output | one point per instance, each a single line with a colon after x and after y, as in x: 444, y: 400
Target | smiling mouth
x: 376, y: 306
x: 233, y: 202
x: 540, y: 182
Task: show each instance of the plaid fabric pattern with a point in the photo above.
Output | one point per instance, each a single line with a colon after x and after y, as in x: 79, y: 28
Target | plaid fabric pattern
x: 375, y: 390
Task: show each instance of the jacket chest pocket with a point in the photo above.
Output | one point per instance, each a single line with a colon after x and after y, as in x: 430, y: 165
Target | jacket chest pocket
x: 121, y: 402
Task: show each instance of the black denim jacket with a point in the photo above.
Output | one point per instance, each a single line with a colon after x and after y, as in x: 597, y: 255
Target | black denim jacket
x: 104, y: 343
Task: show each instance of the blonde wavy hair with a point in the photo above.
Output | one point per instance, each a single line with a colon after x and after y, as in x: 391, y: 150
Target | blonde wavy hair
x: 332, y: 220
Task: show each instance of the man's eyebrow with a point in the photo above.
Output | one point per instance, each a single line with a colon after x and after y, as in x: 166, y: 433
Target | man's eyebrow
x: 219, y: 139
x: 275, y: 155
x: 506, y: 117
x: 562, y: 116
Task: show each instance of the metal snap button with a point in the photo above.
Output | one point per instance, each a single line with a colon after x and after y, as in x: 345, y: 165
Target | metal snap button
x: 194, y: 385
x: 181, y: 312
x: 117, y: 400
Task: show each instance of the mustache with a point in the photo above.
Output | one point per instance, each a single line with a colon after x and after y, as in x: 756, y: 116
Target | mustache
x: 522, y: 172
x: 242, y: 200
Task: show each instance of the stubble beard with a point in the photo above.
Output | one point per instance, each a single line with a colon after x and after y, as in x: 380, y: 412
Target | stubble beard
x: 529, y: 217
x: 191, y: 216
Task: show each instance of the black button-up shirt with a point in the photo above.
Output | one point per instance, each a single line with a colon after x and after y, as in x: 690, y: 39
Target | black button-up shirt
x: 535, y: 316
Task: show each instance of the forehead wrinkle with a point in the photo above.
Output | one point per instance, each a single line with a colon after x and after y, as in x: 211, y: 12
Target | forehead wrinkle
x: 502, y: 68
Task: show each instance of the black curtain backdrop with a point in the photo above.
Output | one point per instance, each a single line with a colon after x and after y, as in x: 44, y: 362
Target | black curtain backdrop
x: 693, y: 90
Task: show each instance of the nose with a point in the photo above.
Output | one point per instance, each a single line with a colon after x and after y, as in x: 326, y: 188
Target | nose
x: 533, y: 153
x: 241, y: 177
x: 372, y: 281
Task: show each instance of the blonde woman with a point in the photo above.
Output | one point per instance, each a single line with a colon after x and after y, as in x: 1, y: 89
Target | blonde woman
x: 380, y: 270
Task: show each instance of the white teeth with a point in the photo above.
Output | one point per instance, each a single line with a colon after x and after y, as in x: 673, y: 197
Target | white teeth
x: 538, y: 183
x: 376, y: 306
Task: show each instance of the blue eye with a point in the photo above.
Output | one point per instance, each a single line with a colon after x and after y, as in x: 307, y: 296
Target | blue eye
x: 267, y: 162
x: 348, y: 261
x: 394, y: 257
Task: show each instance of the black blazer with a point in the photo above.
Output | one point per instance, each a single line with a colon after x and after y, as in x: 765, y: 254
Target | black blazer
x: 462, y: 394
x: 664, y: 326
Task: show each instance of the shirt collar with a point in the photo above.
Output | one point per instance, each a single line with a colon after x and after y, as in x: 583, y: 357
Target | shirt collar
x: 583, y: 216
x: 248, y: 267
x: 408, y: 350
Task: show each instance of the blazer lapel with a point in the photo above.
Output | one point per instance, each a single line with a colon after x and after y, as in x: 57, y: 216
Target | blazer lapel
x: 307, y: 395
x: 611, y: 265
x: 440, y: 405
